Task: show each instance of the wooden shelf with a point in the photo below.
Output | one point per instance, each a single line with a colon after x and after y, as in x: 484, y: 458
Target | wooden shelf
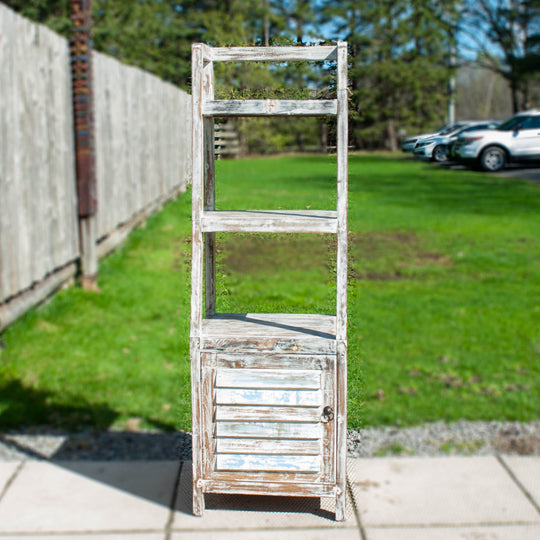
x: 293, y: 221
x: 276, y: 332
x: 270, y: 54
x: 270, y: 107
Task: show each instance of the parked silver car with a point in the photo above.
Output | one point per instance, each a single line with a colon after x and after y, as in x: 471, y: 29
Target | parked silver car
x: 516, y: 139
x: 437, y: 148
x: 408, y: 144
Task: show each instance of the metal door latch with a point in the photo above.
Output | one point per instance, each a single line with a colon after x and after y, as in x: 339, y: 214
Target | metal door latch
x: 327, y: 415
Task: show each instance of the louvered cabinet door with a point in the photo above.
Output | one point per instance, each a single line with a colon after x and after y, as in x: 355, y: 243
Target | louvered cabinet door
x: 271, y: 417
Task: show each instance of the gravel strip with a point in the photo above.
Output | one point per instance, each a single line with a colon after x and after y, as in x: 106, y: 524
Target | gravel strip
x: 439, y: 438
x: 436, y: 439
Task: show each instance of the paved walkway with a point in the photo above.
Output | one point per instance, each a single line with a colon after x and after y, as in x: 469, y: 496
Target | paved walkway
x: 389, y: 498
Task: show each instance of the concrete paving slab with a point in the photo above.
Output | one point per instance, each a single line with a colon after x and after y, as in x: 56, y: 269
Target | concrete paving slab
x: 274, y: 534
x: 241, y: 512
x: 437, y: 491
x: 507, y: 532
x: 85, y: 497
x: 132, y: 535
x: 527, y: 471
x: 7, y: 470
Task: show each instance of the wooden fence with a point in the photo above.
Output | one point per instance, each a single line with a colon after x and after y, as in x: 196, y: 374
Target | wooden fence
x: 142, y: 158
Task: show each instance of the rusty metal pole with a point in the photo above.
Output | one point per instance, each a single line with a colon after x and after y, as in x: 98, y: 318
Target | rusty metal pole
x: 83, y: 113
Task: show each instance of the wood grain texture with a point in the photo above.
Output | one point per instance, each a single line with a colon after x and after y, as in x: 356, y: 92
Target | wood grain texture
x: 201, y: 423
x: 38, y: 204
x: 270, y: 107
x: 264, y: 462
x: 269, y: 414
x: 261, y: 446
x: 241, y: 396
x: 143, y: 147
x: 293, y: 221
x: 138, y: 161
x: 267, y: 331
x: 266, y: 483
x: 260, y: 359
x: 275, y: 54
x: 209, y: 192
x: 268, y: 378
x: 269, y: 430
x: 341, y: 272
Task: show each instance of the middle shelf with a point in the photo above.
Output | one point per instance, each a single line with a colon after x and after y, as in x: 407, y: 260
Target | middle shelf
x: 293, y: 221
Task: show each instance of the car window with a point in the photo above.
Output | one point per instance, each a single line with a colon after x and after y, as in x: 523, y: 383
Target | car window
x: 450, y: 129
x: 532, y: 122
x: 446, y: 131
x: 511, y: 123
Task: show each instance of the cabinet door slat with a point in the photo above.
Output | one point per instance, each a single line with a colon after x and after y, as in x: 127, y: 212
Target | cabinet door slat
x: 250, y: 462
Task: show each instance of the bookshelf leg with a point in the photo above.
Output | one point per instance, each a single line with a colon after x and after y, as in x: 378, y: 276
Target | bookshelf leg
x: 341, y: 500
x: 198, y: 500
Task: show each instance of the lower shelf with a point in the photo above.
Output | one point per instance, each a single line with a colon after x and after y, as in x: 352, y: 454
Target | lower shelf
x: 248, y: 332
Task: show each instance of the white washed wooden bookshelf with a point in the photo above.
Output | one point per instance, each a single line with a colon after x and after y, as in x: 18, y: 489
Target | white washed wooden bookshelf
x: 269, y: 391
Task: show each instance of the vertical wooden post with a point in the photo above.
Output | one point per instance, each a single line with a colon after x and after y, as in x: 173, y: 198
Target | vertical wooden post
x: 341, y: 285
x: 83, y: 113
x: 209, y: 192
x: 196, y: 269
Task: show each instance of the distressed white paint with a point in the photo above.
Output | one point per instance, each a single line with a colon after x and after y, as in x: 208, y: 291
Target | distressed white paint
x: 270, y: 414
x: 268, y: 378
x: 269, y: 430
x: 270, y: 107
x: 260, y: 381
x: 241, y: 396
x: 275, y: 54
x: 268, y: 446
x: 272, y: 326
x: 256, y: 360
x: 293, y: 221
x: 265, y: 483
x: 247, y: 462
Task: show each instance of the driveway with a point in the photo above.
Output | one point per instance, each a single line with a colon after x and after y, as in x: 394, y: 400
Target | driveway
x: 527, y: 172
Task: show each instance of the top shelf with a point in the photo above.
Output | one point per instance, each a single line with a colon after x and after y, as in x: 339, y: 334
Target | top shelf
x: 269, y: 54
x: 270, y: 107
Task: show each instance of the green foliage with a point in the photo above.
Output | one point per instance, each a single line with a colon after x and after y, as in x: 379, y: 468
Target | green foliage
x: 401, y: 53
x: 54, y: 13
x: 400, y: 58
x: 505, y: 35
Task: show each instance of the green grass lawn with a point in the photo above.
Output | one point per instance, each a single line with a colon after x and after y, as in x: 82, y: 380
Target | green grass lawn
x: 444, y: 300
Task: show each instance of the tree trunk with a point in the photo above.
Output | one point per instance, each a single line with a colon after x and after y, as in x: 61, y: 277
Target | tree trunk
x: 266, y: 24
x: 514, y: 90
x: 324, y: 137
x: 392, y: 139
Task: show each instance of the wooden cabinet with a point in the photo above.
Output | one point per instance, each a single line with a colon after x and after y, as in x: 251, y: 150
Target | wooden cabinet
x: 268, y: 390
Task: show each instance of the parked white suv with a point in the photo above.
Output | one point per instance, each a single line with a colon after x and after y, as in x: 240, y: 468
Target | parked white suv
x: 436, y: 148
x: 516, y: 139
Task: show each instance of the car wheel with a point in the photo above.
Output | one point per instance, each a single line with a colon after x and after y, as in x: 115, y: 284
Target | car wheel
x: 439, y: 154
x: 493, y: 159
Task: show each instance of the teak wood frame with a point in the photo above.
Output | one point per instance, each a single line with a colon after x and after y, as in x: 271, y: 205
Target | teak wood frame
x: 269, y: 391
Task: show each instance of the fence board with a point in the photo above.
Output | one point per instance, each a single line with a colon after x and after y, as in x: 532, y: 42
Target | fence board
x: 38, y: 227
x: 143, y: 151
x: 142, y: 144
